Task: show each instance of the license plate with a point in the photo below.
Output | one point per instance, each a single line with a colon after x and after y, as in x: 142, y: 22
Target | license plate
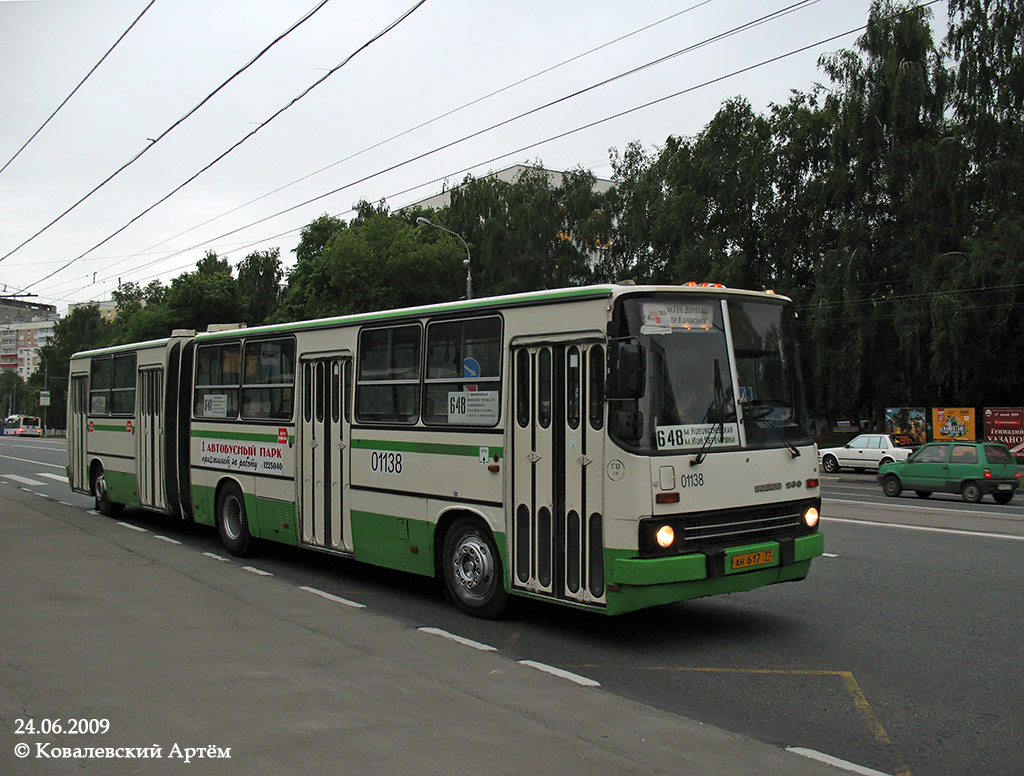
x: 1003, y: 487
x: 750, y: 559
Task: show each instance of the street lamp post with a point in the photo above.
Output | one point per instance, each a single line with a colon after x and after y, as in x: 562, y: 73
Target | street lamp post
x: 469, y: 272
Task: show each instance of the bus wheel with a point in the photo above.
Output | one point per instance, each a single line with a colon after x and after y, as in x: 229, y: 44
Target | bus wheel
x: 472, y: 569
x: 99, y: 491
x: 232, y: 523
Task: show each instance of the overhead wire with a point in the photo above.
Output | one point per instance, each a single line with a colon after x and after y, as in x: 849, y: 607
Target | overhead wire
x: 73, y: 91
x: 687, y: 49
x: 435, y: 119
x: 530, y: 146
x: 238, y: 143
x: 153, y: 141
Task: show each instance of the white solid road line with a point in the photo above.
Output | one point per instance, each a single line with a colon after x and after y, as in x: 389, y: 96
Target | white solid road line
x: 560, y: 673
x: 459, y: 639
x: 827, y: 758
x: 924, y: 528
x: 331, y: 597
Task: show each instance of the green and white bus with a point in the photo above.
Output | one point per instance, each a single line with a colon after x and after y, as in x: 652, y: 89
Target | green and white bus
x: 608, y: 447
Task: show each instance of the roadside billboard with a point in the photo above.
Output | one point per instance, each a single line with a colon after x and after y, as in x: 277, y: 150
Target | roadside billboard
x: 1006, y: 425
x: 906, y: 422
x: 951, y: 423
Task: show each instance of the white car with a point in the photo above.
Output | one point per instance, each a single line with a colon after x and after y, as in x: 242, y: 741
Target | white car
x: 867, y: 451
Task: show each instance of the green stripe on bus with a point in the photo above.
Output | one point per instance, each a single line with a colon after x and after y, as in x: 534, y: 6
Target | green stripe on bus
x: 428, y: 448
x: 106, y: 427
x: 241, y: 436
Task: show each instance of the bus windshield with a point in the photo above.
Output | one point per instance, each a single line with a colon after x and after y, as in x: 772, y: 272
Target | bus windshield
x: 720, y: 373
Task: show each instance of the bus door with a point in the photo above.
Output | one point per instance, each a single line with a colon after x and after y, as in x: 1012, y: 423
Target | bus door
x: 78, y: 425
x: 149, y: 447
x: 323, y: 451
x: 557, y: 440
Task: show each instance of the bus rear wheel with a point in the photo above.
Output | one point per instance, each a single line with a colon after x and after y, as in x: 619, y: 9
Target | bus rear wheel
x: 472, y: 569
x: 232, y: 522
x: 102, y: 496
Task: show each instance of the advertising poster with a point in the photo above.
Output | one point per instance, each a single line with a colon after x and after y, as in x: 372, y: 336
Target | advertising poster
x: 907, y: 422
x: 1006, y: 425
x: 952, y: 423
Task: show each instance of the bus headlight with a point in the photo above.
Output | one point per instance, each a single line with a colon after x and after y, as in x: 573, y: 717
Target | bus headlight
x: 811, y: 517
x: 665, y: 537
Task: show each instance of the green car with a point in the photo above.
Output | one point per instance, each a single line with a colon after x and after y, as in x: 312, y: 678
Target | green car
x: 971, y: 469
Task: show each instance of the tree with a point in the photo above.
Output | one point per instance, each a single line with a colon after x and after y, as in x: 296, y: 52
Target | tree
x: 207, y: 295
x: 83, y: 328
x: 527, y: 234
x: 378, y: 261
x: 259, y: 285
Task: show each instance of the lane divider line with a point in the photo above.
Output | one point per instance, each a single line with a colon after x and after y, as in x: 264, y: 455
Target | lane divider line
x: 581, y: 680
x: 133, y: 527
x: 459, y: 639
x: 258, y: 572
x: 215, y: 556
x: 331, y: 597
x: 924, y: 528
x: 167, y: 539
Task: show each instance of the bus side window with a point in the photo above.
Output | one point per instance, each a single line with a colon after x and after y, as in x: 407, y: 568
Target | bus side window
x: 269, y: 383
x: 122, y: 394
x: 217, y: 381
x: 100, y: 374
x: 463, y: 386
x: 388, y: 387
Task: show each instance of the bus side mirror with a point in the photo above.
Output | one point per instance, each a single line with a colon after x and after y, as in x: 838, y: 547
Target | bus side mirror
x: 628, y: 425
x: 626, y: 370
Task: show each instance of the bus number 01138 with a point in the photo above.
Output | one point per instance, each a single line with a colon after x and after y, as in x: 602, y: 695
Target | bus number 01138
x: 386, y: 463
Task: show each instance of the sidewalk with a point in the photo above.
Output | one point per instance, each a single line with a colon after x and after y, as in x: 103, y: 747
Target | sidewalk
x: 182, y: 652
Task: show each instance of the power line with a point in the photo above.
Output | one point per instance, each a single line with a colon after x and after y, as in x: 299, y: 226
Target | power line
x: 153, y: 141
x: 693, y: 47
x: 65, y: 100
x: 451, y: 112
x: 263, y: 124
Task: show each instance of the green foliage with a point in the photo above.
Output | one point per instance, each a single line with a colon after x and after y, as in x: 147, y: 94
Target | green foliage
x: 259, y: 285
x: 377, y: 262
x: 83, y: 328
x: 528, y: 234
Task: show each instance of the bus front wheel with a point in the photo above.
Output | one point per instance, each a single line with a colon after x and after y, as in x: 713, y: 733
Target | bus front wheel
x: 232, y: 523
x: 99, y: 491
x: 472, y: 569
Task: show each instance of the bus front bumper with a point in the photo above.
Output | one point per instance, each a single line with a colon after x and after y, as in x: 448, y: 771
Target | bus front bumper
x: 636, y: 583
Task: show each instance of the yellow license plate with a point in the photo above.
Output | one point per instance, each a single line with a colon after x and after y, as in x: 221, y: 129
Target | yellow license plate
x: 750, y: 559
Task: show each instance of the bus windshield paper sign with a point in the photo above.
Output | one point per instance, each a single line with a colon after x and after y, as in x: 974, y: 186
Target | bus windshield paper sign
x: 696, y: 435
x: 473, y: 408
x: 665, y: 318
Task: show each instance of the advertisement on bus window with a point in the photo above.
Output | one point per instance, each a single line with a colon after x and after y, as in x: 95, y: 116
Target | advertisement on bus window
x: 952, y: 423
x: 1005, y: 425
x: 907, y: 423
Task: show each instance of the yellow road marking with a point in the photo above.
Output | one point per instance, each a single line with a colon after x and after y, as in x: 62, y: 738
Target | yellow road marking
x: 850, y: 683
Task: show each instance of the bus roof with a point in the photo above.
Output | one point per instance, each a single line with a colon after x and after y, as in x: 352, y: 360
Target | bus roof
x: 550, y: 296
x: 482, y: 304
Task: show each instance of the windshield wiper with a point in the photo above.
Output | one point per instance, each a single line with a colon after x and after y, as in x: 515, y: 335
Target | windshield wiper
x: 758, y: 412
x: 716, y: 405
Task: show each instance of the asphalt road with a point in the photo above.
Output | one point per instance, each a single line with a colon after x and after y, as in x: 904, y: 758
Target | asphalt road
x: 900, y: 653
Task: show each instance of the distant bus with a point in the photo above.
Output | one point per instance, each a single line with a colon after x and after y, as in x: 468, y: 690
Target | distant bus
x: 23, y: 425
x: 608, y: 447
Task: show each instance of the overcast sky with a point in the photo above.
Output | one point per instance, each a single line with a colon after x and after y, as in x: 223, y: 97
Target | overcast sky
x: 444, y: 55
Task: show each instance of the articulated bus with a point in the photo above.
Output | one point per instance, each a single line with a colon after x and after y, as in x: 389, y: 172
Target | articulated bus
x: 608, y: 447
